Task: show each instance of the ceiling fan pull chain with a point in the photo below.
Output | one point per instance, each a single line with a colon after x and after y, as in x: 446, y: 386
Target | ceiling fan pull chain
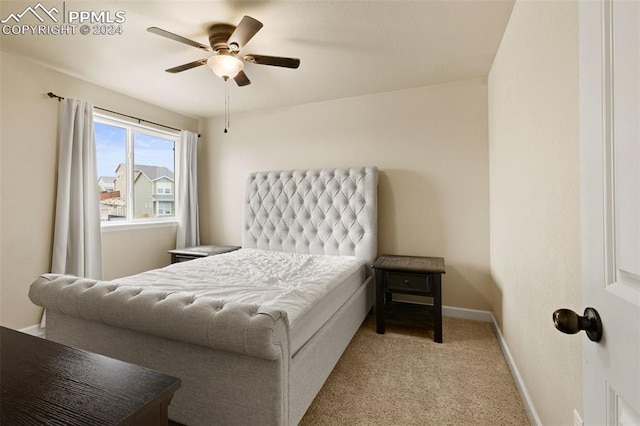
x: 226, y: 104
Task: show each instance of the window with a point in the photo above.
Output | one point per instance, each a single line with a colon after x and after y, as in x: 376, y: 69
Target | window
x: 164, y: 187
x: 141, y: 164
x: 165, y: 208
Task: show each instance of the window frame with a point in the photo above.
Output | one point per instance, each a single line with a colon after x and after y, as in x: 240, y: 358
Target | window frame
x: 131, y: 128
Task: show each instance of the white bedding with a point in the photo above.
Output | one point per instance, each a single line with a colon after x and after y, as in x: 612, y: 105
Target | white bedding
x: 307, y: 287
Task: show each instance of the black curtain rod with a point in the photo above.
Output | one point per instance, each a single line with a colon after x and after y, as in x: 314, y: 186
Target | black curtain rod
x: 53, y: 95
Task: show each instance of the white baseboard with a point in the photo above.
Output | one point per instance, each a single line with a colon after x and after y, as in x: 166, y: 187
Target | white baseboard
x: 486, y: 316
x: 34, y: 330
x: 522, y: 388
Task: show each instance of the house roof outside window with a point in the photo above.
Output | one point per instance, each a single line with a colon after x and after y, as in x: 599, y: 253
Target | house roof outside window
x: 152, y: 173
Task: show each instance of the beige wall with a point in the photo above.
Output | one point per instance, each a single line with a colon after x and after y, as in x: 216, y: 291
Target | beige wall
x: 128, y: 252
x: 430, y: 145
x: 28, y: 180
x: 535, y: 217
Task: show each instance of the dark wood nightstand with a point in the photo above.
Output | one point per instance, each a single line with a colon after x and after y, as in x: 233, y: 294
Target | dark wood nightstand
x: 190, y: 253
x: 409, y: 275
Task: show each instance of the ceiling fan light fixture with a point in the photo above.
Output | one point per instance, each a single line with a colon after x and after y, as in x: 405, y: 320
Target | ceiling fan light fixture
x: 225, y: 66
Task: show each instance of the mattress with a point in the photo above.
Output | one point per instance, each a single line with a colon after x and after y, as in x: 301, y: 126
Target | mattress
x: 309, y: 288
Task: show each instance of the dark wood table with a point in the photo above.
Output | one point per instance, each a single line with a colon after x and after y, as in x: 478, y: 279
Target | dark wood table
x: 46, y: 383
x: 414, y: 275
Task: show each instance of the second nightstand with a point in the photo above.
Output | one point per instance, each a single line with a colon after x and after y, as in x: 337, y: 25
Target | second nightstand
x: 190, y: 253
x: 409, y: 275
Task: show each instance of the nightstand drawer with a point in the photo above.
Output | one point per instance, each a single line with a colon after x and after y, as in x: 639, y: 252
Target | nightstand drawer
x: 184, y: 257
x: 413, y: 282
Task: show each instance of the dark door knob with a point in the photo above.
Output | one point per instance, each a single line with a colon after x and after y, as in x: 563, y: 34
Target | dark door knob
x: 569, y: 322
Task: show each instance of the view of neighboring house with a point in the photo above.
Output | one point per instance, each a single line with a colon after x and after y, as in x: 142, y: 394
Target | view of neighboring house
x: 153, y: 193
x: 107, y: 183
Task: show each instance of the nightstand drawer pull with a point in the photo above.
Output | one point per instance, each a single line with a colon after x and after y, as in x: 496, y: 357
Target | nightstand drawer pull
x: 409, y: 282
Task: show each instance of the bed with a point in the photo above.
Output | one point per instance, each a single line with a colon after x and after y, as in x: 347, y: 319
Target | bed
x: 245, y: 360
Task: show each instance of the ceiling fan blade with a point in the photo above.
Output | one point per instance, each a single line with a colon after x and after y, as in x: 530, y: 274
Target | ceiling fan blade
x: 176, y: 37
x: 242, y: 79
x: 246, y: 29
x: 277, y: 61
x: 188, y: 66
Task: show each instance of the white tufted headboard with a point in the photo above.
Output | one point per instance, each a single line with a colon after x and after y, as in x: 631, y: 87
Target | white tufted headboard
x: 323, y: 211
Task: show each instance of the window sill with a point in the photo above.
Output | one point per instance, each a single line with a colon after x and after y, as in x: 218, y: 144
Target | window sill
x: 128, y: 226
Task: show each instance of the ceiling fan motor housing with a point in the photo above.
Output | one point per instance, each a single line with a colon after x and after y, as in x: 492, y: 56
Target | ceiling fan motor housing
x: 219, y: 35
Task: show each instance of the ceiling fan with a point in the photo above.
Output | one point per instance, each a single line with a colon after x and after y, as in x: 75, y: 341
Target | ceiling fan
x: 226, y: 42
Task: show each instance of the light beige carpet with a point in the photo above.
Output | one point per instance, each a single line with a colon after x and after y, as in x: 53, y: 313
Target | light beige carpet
x: 404, y: 378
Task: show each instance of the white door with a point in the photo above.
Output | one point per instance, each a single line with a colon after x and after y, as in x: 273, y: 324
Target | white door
x: 609, y: 33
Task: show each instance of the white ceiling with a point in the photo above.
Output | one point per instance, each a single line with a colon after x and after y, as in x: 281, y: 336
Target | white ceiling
x: 346, y: 48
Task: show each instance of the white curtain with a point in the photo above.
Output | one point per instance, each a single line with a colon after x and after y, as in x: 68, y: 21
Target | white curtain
x: 187, y: 172
x: 77, y: 244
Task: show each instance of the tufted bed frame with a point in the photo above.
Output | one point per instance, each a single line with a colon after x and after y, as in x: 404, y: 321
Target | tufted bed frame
x: 235, y: 361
